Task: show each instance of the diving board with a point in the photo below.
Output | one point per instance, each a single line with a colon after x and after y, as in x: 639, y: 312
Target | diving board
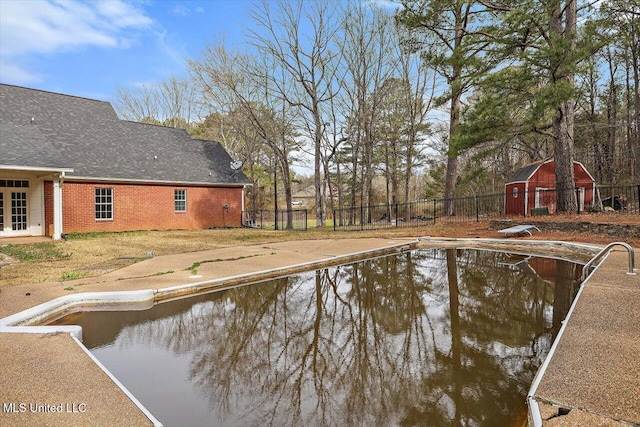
x: 518, y: 229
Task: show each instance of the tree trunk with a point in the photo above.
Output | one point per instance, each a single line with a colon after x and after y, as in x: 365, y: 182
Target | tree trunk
x: 454, y: 119
x: 354, y: 178
x: 286, y: 183
x: 317, y: 167
x: 635, y: 59
x: 452, y: 156
x: 563, y: 155
x: 409, y: 161
x: 564, y: 115
x: 598, y: 164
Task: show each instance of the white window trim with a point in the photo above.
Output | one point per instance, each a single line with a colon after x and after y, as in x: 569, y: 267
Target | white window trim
x: 175, y: 199
x: 95, y: 204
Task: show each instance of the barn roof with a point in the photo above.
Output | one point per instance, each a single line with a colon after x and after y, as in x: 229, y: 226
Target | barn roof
x: 40, y: 128
x: 527, y: 171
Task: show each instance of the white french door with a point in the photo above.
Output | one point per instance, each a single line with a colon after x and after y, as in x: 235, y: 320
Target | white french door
x: 14, y: 209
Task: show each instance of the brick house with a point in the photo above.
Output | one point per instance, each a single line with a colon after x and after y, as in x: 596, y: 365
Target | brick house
x: 69, y: 164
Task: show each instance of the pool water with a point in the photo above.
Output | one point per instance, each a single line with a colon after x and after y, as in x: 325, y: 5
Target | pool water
x: 428, y: 337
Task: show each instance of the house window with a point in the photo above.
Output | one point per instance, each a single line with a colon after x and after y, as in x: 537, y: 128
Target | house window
x: 180, y: 200
x: 10, y: 183
x: 104, y: 203
x: 515, y: 192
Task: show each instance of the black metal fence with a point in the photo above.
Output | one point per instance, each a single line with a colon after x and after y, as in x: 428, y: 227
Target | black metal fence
x: 295, y: 219
x: 623, y: 200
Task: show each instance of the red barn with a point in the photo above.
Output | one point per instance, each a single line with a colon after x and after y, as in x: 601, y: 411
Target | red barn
x: 533, y: 186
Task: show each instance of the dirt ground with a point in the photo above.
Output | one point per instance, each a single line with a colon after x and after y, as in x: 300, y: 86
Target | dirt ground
x: 95, y: 254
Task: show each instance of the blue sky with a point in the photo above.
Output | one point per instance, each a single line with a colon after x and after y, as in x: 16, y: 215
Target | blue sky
x: 88, y: 48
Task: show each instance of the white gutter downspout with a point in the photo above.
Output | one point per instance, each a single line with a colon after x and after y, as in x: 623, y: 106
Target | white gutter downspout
x: 242, y: 199
x: 526, y: 196
x: 57, y: 206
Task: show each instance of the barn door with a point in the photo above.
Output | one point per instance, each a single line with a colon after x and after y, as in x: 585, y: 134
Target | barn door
x: 542, y: 194
x: 581, y: 193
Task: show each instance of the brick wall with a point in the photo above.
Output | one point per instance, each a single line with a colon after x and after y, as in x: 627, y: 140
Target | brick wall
x: 144, y: 207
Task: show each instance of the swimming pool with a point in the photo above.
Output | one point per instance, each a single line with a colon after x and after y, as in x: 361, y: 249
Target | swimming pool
x: 436, y: 337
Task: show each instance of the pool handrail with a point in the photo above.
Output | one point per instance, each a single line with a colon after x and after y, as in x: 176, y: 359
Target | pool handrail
x: 605, y: 250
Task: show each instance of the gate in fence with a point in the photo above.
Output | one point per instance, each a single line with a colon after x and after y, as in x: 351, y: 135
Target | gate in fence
x: 295, y: 219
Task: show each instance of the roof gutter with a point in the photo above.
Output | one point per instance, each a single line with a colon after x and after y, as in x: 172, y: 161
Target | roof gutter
x: 157, y: 182
x: 36, y: 169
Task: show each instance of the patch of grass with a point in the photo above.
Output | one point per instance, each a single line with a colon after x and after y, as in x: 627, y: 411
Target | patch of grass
x: 69, y: 288
x: 161, y: 273
x: 35, y: 252
x: 250, y: 236
x: 193, y: 267
x: 71, y: 275
x: 103, y: 234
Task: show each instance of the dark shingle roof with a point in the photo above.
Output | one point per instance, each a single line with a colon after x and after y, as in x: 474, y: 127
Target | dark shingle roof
x: 35, y: 151
x: 86, y: 135
x: 525, y: 172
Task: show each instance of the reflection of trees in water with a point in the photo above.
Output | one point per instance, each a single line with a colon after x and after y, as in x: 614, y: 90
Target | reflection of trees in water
x: 494, y: 315
x: 410, y: 339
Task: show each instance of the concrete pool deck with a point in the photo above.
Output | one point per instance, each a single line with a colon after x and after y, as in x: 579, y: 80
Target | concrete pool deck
x: 593, y: 377
x: 51, y: 369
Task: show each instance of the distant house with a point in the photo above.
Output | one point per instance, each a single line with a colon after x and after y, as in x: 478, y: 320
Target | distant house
x: 304, y: 197
x: 69, y: 164
x: 533, y: 186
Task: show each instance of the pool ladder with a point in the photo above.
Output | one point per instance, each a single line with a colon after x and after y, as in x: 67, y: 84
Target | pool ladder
x: 587, y: 267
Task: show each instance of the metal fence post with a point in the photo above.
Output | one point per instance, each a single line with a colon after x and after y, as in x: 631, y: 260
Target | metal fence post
x: 396, y: 209
x: 477, y: 210
x: 334, y: 220
x: 361, y: 217
x: 434, y: 211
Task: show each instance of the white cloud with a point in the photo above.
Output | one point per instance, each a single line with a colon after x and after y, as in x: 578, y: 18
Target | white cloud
x: 386, y: 4
x: 123, y: 15
x: 15, y: 74
x: 180, y: 9
x: 51, y: 26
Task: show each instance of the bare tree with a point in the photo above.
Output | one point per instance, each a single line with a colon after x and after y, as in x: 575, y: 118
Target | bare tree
x: 297, y: 37
x: 452, y: 37
x: 172, y: 102
x: 419, y: 92
x: 139, y: 105
x: 367, y: 54
x: 238, y: 84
